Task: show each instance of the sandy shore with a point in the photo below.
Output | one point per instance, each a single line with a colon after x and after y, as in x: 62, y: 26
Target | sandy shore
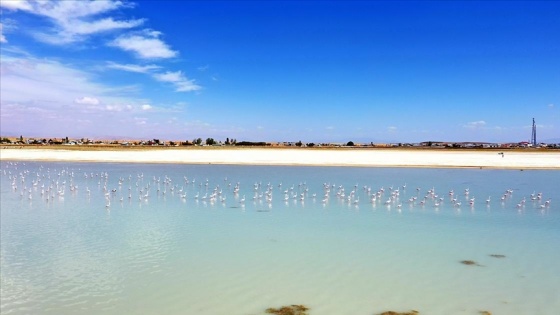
x: 311, y: 157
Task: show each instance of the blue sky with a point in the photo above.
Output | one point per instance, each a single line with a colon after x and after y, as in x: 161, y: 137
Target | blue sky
x: 281, y: 71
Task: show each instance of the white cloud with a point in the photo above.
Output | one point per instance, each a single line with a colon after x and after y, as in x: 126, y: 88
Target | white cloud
x: 25, y: 79
x: 169, y: 76
x: 2, y: 37
x: 140, y: 120
x: 16, y: 5
x: 550, y: 105
x: 475, y: 124
x: 63, y: 10
x: 391, y: 128
x: 544, y: 126
x: 178, y: 79
x: 145, y: 46
x: 77, y: 31
x: 87, y: 100
x: 42, y: 97
x: 85, y: 28
x: 77, y: 20
x: 52, y: 84
x: 7, y: 26
x: 73, y: 19
x: 132, y: 68
x: 197, y: 124
x: 113, y: 108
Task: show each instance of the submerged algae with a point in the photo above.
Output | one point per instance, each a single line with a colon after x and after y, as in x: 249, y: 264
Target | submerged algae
x: 288, y: 310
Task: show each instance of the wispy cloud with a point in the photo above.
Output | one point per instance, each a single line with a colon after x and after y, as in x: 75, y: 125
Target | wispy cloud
x: 27, y: 78
x: 140, y: 121
x: 178, y: 79
x: 7, y: 26
x: 2, y: 37
x: 145, y: 45
x: 77, y: 20
x: 132, y: 67
x: 17, y: 5
x: 73, y: 20
x: 197, y: 124
x: 45, y: 95
x: 87, y: 100
x: 475, y: 124
x: 29, y: 82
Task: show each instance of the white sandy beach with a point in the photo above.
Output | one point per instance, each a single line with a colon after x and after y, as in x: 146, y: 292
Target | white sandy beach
x: 310, y: 157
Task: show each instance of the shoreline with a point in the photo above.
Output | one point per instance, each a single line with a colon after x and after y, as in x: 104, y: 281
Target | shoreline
x: 335, y: 157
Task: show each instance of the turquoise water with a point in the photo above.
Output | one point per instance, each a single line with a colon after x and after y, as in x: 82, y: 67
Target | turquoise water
x: 70, y: 245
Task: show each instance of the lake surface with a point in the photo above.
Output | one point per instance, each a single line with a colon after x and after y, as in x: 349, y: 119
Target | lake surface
x: 109, y: 238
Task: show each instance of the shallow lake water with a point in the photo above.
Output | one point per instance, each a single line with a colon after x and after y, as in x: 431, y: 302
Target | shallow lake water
x: 117, y: 238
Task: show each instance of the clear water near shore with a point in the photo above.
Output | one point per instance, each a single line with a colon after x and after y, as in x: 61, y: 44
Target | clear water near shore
x: 164, y: 251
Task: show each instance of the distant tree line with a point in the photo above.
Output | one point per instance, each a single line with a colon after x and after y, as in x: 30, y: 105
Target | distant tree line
x: 253, y: 144
x: 233, y: 142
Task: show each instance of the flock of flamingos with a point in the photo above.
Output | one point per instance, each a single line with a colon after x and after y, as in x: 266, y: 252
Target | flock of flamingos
x: 52, y: 185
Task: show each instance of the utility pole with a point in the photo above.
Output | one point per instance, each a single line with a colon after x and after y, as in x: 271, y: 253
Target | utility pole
x: 534, y: 134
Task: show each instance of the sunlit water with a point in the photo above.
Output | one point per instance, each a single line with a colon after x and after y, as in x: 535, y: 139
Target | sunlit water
x: 70, y: 245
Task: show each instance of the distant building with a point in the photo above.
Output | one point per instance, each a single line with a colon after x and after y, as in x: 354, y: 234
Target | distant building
x: 534, y: 134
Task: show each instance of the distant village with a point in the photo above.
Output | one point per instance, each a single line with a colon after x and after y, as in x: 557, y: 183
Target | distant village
x: 233, y: 142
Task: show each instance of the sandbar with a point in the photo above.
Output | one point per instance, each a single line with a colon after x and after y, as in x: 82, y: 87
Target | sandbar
x: 371, y: 157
